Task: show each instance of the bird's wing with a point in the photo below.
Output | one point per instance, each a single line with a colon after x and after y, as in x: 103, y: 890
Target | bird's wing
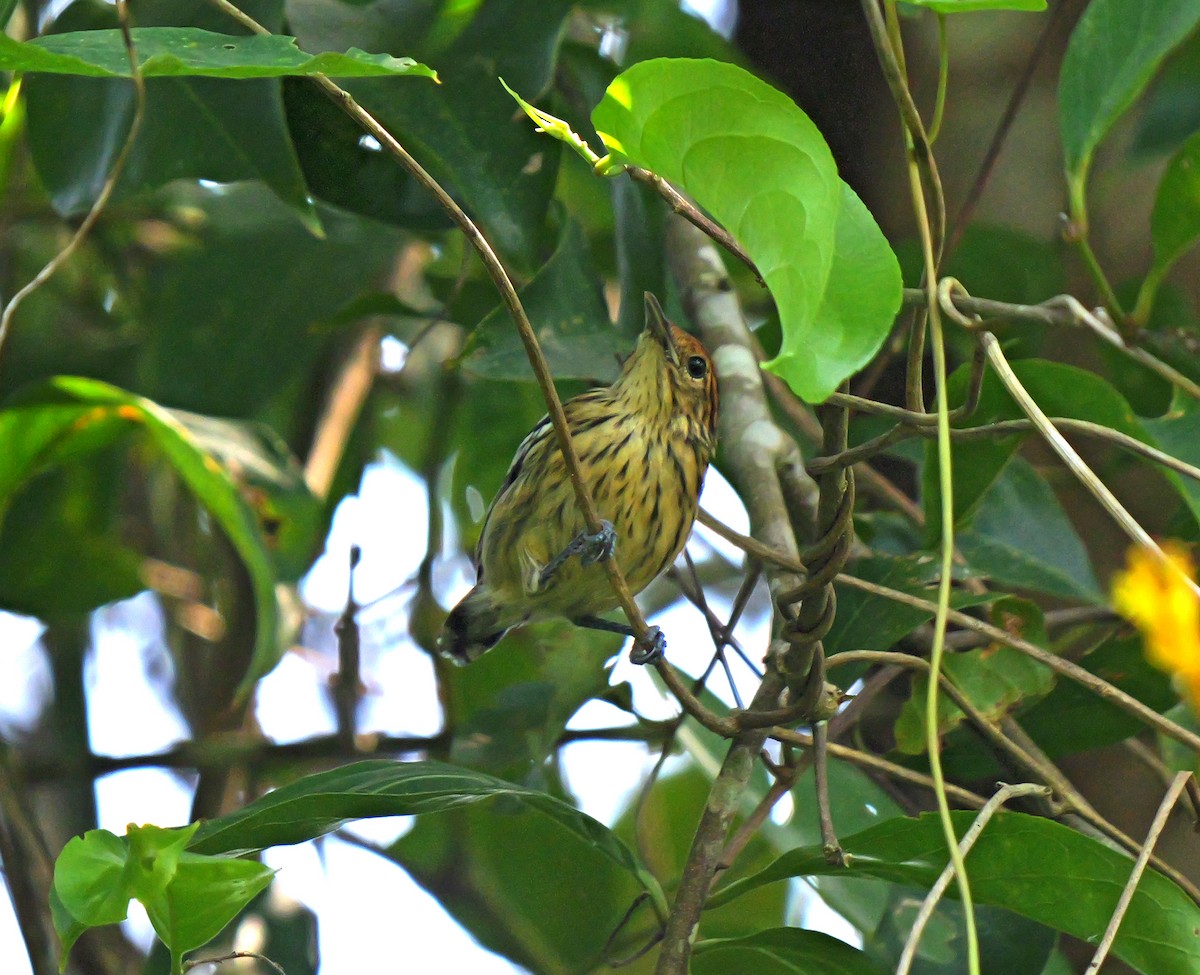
x: 540, y: 431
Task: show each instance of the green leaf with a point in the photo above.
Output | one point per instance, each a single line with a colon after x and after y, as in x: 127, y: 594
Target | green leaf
x: 90, y: 878
x: 783, y: 951
x: 192, y: 128
x: 860, y: 300
x: 996, y: 679
x: 488, y: 869
x: 1178, y: 433
x: 569, y: 316
x: 1114, y: 50
x: 756, y: 162
x: 175, y: 52
x: 965, y: 6
x: 188, y: 897
x: 865, y: 621
x: 1175, y: 220
x: 1060, y: 390
x: 205, y: 893
x: 317, y: 804
x: 1072, y: 718
x: 1020, y: 536
x: 69, y: 417
x: 154, y: 856
x: 1031, y: 866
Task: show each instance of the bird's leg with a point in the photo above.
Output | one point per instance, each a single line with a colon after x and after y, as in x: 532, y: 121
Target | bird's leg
x: 590, y: 548
x: 643, y: 652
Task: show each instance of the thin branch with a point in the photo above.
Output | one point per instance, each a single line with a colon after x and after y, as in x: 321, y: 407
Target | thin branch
x: 1004, y: 428
x: 1068, y: 455
x: 681, y: 205
x: 1139, y: 867
x: 938, y: 890
x: 1003, y: 127
x: 508, y: 293
x: 874, y: 763
x: 834, y: 855
x: 106, y: 191
x: 1059, y: 311
x: 234, y: 956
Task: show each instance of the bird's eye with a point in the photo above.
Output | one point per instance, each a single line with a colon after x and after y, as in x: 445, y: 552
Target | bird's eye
x: 697, y: 367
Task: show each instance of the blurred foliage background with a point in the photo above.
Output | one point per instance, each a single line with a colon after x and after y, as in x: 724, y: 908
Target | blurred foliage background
x: 268, y: 281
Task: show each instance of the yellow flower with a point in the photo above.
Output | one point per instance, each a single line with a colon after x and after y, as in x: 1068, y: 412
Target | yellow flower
x: 1158, y: 596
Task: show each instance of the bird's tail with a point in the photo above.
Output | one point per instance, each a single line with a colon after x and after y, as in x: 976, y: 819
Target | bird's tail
x: 473, y: 627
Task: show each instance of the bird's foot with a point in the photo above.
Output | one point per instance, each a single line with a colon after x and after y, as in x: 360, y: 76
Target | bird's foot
x: 590, y: 548
x: 649, y: 650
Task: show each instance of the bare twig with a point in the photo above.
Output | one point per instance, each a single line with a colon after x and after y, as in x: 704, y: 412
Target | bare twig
x: 234, y: 956
x: 1139, y: 867
x: 834, y: 855
x: 346, y: 681
x: 882, y: 766
x: 938, y: 890
x: 106, y: 191
x: 1003, y: 127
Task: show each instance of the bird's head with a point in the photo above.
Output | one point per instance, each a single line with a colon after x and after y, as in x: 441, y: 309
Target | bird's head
x: 670, y: 372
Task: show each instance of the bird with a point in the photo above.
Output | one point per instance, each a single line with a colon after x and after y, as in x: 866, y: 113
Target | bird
x: 644, y: 444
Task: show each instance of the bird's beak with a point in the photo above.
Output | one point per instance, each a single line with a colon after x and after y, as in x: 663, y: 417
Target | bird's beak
x: 658, y: 326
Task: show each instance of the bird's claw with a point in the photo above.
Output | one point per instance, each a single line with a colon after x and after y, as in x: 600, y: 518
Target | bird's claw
x: 590, y: 548
x: 650, y: 649
x: 598, y: 547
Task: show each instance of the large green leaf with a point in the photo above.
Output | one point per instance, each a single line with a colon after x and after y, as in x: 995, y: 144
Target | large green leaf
x: 193, y: 128
x: 1060, y: 390
x: 782, y: 951
x: 1114, y: 50
x: 860, y: 300
x: 317, y: 804
x: 749, y: 156
x: 1034, y: 867
x: 70, y: 417
x: 1020, y: 536
x: 174, y: 52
